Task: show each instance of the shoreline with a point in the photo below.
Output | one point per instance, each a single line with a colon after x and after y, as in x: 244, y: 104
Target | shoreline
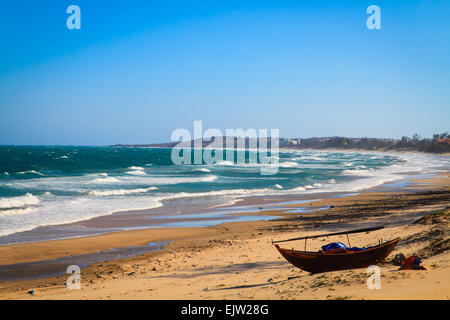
x: 181, y: 239
x: 381, y: 151
x: 260, y: 206
x: 163, y: 215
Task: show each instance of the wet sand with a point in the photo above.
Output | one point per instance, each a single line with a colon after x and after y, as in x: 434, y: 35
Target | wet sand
x: 237, y: 260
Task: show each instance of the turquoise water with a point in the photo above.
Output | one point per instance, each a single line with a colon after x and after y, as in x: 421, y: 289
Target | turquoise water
x: 42, y: 185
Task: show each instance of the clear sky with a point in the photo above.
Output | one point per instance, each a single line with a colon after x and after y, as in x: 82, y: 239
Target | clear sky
x: 137, y: 70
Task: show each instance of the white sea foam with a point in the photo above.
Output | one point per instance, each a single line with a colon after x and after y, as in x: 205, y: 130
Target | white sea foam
x: 137, y: 172
x: 180, y: 195
x: 357, y: 172
x: 136, y: 168
x: 83, y: 184
x: 120, y: 192
x: 288, y: 164
x: 71, y: 210
x: 307, y: 157
x: 317, y: 185
x: 168, y: 180
x: 203, y: 170
x: 224, y: 163
x: 19, y: 202
x: 105, y: 180
x: 30, y: 171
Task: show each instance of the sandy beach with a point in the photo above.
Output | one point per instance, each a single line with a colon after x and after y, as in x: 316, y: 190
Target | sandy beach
x: 238, y: 261
x: 205, y: 151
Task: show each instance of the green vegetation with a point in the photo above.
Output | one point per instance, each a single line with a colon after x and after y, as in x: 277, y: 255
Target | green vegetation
x: 439, y: 143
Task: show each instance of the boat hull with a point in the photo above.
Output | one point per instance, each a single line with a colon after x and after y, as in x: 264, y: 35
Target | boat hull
x: 318, y: 262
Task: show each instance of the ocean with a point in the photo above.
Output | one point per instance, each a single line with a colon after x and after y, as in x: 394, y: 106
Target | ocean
x: 54, y: 185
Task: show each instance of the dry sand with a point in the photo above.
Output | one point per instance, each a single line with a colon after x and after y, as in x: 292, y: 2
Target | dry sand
x: 238, y: 261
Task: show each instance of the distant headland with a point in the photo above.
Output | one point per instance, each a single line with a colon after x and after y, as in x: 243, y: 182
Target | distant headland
x: 439, y: 143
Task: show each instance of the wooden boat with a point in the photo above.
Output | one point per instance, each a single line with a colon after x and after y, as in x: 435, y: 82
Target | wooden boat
x: 318, y: 262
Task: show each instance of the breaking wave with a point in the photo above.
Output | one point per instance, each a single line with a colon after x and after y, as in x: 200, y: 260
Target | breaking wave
x: 119, y: 192
x: 19, y: 202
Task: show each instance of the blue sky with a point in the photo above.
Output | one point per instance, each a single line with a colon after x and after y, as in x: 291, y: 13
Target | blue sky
x: 137, y: 70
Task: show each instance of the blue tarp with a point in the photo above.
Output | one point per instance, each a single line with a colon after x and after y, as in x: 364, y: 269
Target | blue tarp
x: 340, y: 245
